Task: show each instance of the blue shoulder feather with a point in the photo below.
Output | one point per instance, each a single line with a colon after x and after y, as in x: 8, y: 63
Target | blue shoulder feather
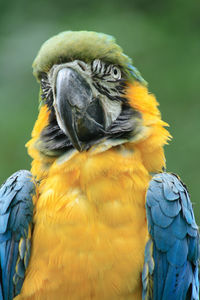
x: 16, y: 213
x: 174, y: 241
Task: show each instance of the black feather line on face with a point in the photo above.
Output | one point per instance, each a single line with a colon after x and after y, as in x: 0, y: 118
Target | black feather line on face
x: 104, y: 91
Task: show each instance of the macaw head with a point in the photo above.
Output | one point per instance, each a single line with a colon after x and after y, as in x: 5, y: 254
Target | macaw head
x: 86, y: 91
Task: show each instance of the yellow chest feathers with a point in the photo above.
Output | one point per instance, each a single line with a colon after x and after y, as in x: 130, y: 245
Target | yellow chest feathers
x: 90, y: 229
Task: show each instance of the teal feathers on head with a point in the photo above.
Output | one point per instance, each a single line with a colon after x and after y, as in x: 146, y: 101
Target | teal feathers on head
x: 136, y: 74
x: 82, y: 45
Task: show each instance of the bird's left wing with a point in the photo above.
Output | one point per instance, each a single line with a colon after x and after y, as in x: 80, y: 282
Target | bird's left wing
x: 172, y: 252
x: 16, y: 212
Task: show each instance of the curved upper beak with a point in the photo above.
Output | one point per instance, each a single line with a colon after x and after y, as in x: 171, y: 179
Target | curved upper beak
x: 78, y: 114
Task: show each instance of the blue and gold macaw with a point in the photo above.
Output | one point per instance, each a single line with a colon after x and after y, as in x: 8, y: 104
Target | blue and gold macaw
x: 97, y: 217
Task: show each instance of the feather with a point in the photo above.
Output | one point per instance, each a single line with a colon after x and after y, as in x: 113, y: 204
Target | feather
x: 174, y: 234
x: 16, y: 211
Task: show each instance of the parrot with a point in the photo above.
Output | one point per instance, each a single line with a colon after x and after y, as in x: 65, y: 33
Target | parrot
x: 97, y: 216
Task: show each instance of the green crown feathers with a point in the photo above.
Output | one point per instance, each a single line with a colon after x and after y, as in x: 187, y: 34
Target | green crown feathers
x: 82, y: 45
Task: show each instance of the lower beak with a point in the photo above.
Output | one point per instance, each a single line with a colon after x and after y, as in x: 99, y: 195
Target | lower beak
x: 78, y: 114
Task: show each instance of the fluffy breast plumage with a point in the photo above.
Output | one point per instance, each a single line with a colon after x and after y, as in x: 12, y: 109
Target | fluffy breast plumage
x: 90, y: 229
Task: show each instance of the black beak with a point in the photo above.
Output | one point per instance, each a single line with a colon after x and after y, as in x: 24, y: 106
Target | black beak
x: 79, y: 115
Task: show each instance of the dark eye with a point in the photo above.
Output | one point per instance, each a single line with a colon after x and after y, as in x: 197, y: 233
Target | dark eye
x: 116, y: 73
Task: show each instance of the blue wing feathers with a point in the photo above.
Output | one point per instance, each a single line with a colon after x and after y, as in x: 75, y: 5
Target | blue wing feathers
x: 163, y: 239
x: 170, y: 209
x: 175, y: 237
x: 4, y: 222
x: 16, y: 211
x: 159, y: 218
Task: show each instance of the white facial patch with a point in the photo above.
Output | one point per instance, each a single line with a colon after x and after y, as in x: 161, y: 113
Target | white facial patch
x: 112, y: 108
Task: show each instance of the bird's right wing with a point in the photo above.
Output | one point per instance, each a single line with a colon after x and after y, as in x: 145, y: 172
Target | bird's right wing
x: 172, y: 252
x: 16, y: 212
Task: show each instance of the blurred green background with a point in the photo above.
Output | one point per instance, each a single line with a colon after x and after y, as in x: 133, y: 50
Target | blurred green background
x: 162, y: 37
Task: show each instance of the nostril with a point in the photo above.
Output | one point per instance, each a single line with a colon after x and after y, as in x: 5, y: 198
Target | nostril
x: 82, y: 65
